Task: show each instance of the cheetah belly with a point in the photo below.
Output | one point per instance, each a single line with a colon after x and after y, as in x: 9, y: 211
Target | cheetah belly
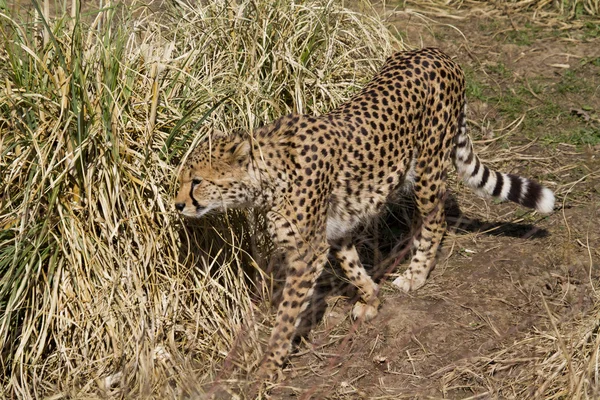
x: 345, y: 213
x: 344, y: 216
x: 338, y: 227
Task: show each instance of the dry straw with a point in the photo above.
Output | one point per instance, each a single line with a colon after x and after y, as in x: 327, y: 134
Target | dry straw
x: 104, y: 290
x: 556, y: 11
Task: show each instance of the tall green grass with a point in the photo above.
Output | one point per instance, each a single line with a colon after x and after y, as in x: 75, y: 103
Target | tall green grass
x: 104, y: 290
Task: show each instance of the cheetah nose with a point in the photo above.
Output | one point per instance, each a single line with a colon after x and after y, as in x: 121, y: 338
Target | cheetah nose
x: 179, y: 206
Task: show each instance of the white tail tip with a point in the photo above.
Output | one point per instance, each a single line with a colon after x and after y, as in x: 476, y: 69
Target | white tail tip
x: 545, y: 204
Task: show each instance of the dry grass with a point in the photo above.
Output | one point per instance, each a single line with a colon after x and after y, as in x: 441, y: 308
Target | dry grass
x: 104, y: 291
x: 538, y: 9
x: 558, y: 364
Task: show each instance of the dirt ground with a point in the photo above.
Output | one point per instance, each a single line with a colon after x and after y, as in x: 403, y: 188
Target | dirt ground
x: 504, y: 272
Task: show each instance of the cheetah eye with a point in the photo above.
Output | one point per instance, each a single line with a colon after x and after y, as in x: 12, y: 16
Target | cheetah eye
x: 196, y: 181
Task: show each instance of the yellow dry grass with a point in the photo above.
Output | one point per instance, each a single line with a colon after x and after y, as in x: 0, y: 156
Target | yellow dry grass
x: 105, y: 291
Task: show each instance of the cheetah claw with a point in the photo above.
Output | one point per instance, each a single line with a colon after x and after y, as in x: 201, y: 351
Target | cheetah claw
x: 365, y: 311
x: 408, y: 284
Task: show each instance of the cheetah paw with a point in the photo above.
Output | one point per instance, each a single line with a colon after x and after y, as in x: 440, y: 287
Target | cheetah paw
x: 269, y: 372
x: 408, y: 284
x: 265, y: 379
x: 365, y: 311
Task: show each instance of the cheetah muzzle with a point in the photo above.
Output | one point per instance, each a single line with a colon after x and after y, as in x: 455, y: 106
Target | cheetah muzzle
x: 320, y: 177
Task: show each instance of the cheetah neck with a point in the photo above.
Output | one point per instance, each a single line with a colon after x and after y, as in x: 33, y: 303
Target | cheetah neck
x: 266, y: 181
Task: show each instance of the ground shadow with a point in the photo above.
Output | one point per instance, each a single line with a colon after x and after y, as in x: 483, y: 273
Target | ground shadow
x: 383, y: 247
x: 385, y: 244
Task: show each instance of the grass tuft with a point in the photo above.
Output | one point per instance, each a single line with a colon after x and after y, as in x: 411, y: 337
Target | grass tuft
x: 104, y: 290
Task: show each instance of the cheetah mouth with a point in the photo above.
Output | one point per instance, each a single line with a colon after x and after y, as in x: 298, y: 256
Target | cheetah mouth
x: 202, y: 211
x: 199, y: 212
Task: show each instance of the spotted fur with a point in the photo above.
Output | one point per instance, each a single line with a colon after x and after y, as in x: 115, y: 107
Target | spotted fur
x: 320, y: 177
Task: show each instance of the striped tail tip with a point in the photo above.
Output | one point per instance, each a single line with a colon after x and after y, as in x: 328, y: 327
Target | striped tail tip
x: 525, y: 192
x: 545, y: 203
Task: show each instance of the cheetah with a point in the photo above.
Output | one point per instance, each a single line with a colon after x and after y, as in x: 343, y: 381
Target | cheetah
x: 319, y: 177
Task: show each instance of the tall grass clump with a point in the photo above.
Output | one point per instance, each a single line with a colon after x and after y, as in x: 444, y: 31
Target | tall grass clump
x: 104, y: 290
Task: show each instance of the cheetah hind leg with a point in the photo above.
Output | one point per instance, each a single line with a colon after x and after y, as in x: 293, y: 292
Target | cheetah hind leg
x: 425, y: 256
x: 430, y: 210
x: 367, y: 307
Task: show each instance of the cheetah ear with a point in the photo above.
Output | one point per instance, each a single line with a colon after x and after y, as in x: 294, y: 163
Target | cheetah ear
x: 212, y: 135
x: 217, y: 134
x: 240, y: 152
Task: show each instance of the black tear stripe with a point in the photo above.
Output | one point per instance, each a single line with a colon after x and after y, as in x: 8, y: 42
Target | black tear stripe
x: 534, y: 193
x: 476, y: 169
x: 514, y: 194
x: 194, y: 202
x: 485, y: 177
x: 499, y: 184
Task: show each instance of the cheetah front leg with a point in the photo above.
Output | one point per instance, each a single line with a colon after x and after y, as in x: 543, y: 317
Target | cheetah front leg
x: 305, y: 262
x: 346, y: 254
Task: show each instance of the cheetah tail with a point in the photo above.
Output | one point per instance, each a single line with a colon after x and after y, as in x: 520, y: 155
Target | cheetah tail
x: 488, y: 182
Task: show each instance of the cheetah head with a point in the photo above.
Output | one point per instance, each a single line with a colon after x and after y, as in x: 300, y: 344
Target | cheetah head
x: 216, y: 176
